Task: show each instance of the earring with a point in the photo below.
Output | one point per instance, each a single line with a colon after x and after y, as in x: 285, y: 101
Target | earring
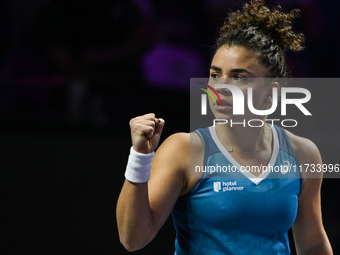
x: 267, y: 101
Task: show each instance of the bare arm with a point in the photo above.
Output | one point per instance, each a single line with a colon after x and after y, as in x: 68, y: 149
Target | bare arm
x: 309, y: 234
x: 142, y: 208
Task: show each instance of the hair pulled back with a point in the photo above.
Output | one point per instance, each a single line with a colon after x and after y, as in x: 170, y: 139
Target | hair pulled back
x: 268, y: 32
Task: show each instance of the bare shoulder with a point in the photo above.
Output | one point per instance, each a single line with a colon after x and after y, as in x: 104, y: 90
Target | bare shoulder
x: 181, y: 144
x: 306, y: 151
x: 173, y: 152
x: 172, y: 158
x: 175, y: 156
x: 177, y: 145
x: 309, y: 159
x: 177, y: 139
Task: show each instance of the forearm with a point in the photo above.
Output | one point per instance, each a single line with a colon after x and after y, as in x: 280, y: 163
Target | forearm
x: 134, y: 216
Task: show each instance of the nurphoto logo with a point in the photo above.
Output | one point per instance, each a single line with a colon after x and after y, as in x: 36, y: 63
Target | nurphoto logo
x: 239, y: 102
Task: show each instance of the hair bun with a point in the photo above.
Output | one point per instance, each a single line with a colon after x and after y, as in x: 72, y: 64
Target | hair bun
x: 274, y: 24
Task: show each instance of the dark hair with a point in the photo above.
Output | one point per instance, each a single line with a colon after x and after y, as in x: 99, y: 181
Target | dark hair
x: 258, y: 28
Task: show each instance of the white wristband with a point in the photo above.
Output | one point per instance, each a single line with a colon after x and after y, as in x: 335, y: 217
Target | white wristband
x: 138, y: 166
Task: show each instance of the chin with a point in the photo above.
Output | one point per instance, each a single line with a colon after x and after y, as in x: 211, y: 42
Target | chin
x: 224, y: 116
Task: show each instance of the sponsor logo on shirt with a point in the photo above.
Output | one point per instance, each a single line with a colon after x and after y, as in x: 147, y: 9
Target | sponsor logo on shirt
x: 227, y: 186
x: 217, y: 186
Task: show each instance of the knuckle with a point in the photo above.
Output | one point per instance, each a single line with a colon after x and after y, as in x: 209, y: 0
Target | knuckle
x: 148, y: 129
x: 133, y: 121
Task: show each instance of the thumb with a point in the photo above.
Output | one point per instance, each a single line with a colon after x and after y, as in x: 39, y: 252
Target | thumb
x: 159, y: 126
x: 157, y: 133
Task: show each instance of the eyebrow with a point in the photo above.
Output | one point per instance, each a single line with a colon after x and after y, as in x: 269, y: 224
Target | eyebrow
x: 216, y: 68
x: 240, y: 70
x: 235, y: 70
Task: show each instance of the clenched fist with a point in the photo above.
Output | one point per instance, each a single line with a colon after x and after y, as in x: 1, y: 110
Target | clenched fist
x: 145, y: 132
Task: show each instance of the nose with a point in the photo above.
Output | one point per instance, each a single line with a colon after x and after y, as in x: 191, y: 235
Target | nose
x: 223, y: 91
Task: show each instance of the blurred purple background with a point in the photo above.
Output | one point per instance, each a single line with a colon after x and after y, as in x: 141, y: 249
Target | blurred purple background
x: 72, y: 74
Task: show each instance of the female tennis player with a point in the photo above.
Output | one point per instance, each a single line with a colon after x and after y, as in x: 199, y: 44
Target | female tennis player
x: 232, y: 212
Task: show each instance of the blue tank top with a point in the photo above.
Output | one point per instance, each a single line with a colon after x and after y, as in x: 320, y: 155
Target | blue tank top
x: 234, y: 212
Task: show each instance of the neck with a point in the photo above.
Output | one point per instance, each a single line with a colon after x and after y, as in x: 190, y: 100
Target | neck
x: 244, y: 139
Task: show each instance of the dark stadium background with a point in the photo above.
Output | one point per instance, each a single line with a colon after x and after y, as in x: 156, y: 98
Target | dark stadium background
x: 72, y: 75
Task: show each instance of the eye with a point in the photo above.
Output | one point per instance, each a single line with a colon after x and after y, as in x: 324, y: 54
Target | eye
x: 241, y: 79
x: 214, y: 76
x: 238, y: 78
